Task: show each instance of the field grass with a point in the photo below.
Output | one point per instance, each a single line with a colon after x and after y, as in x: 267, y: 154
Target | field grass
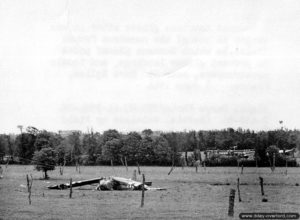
x: 190, y: 195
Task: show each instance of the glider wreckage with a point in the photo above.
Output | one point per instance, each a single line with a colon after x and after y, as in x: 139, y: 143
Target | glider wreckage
x: 109, y: 183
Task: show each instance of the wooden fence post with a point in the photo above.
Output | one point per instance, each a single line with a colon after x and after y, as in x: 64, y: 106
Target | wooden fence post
x: 143, y: 191
x: 70, y: 196
x: 231, y: 203
x: 238, y: 188
x: 29, y: 185
x: 261, y: 180
x: 172, y: 168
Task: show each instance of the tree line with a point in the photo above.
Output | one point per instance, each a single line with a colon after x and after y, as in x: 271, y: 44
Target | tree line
x: 145, y: 148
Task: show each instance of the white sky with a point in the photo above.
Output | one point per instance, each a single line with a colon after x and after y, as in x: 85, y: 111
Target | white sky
x: 207, y: 65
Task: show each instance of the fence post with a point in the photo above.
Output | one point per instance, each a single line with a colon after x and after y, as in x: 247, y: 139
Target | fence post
x: 29, y: 185
x: 172, y: 168
x: 70, y: 196
x: 231, y: 203
x: 261, y: 180
x: 143, y: 191
x: 238, y: 188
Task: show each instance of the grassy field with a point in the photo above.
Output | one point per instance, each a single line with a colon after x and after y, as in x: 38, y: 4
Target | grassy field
x: 190, y: 195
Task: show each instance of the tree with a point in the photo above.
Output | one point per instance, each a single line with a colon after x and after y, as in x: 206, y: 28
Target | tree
x: 64, y: 152
x: 74, y: 140
x: 145, y: 153
x: 90, y: 146
x: 110, y: 135
x: 172, y: 139
x: 111, y: 144
x: 11, y: 147
x: 162, y: 151
x: 3, y: 146
x: 111, y: 150
x: 272, y: 150
x: 147, y: 132
x: 25, y: 147
x: 45, y: 139
x: 45, y: 160
x: 131, y: 147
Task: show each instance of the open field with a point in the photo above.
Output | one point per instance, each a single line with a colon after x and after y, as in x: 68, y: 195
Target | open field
x: 190, y: 195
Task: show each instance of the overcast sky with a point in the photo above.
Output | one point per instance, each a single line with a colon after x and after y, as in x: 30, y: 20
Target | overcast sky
x: 165, y: 65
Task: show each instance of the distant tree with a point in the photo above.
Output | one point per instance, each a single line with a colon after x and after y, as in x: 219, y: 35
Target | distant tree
x: 172, y: 139
x: 210, y: 139
x: 10, y: 145
x: 45, y: 160
x: 74, y: 141
x: 3, y: 146
x: 162, y: 151
x: 131, y: 147
x: 21, y: 128
x: 110, y: 135
x: 145, y: 152
x: 147, y: 132
x: 260, y: 148
x: 273, y: 149
x: 112, y: 150
x: 64, y: 152
x: 25, y: 147
x: 45, y: 139
x: 90, y: 146
x: 32, y: 130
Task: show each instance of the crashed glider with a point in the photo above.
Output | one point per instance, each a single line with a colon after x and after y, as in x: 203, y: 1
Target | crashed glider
x: 109, y: 183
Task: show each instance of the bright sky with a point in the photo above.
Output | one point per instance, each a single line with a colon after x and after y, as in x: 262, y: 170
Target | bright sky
x: 165, y: 65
